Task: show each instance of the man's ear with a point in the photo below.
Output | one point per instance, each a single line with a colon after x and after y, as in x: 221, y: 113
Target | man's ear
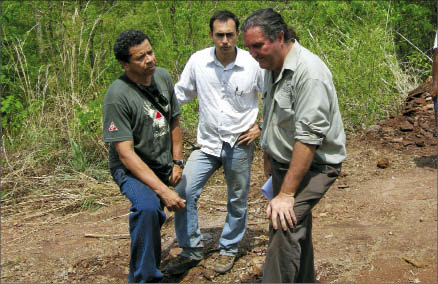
x: 124, y: 64
x: 280, y: 36
x: 211, y: 35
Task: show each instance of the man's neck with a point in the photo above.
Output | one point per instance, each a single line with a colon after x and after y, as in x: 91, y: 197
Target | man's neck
x: 146, y: 81
x: 284, y: 52
x: 226, y: 59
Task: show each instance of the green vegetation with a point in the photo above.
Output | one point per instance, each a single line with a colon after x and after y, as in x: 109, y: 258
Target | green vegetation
x: 57, y: 62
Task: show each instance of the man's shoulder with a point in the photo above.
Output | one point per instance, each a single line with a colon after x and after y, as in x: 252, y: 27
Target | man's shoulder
x: 161, y: 72
x: 312, y: 64
x: 244, y: 58
x: 202, y: 55
x: 116, y: 90
x: 162, y: 78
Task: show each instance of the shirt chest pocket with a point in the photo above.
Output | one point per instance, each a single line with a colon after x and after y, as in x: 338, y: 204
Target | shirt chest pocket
x: 285, y: 112
x: 242, y: 97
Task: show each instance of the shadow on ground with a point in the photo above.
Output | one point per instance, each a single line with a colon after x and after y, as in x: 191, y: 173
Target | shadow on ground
x: 427, y: 161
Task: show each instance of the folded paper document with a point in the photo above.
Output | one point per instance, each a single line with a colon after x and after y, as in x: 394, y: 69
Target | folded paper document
x: 267, y: 189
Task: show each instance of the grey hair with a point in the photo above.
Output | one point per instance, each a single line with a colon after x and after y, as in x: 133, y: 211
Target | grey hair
x: 271, y: 23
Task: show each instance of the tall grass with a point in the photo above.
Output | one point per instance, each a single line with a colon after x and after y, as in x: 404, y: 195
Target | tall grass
x: 58, y: 123
x: 52, y: 113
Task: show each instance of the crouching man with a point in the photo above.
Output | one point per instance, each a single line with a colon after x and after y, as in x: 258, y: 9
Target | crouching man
x: 141, y: 125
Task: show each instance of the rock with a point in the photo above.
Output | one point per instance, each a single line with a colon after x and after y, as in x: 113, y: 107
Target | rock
x: 420, y: 143
x: 425, y: 125
x: 373, y: 129
x: 257, y: 265
x: 398, y: 146
x: 208, y: 274
x: 428, y: 107
x: 397, y: 140
x: 173, y: 252
x: 383, y: 163
x: 406, y: 126
x: 407, y: 142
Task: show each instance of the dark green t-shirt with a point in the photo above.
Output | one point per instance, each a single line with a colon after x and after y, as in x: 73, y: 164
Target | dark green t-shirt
x: 129, y: 115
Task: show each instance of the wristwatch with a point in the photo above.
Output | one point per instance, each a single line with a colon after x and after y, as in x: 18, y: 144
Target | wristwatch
x: 179, y: 163
x: 261, y: 125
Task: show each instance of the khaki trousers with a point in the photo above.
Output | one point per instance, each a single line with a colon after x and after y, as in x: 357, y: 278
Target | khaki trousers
x: 290, y: 253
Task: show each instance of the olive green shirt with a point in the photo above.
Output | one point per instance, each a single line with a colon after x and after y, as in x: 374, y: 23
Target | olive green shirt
x: 128, y: 115
x: 301, y: 105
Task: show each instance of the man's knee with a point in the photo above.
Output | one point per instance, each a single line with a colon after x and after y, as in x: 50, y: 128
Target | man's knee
x: 150, y: 212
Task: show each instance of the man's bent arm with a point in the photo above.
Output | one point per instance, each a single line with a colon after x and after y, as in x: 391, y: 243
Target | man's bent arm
x: 176, y: 150
x: 282, y: 205
x: 139, y: 169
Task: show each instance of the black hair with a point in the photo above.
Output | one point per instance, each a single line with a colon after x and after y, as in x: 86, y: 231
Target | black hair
x: 223, y: 16
x: 125, y: 40
x: 271, y: 24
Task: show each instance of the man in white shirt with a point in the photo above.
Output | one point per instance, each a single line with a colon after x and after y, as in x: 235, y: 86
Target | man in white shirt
x: 227, y: 81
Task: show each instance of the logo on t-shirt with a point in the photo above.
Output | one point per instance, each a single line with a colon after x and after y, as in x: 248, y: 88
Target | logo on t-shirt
x: 112, y: 127
x: 158, y: 115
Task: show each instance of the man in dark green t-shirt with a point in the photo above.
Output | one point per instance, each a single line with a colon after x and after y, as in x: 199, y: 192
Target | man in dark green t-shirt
x: 141, y: 125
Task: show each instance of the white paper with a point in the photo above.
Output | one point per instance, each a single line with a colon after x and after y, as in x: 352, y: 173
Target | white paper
x: 267, y: 189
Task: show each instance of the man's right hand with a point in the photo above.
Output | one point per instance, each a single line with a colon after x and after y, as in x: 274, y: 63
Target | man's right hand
x: 172, y: 201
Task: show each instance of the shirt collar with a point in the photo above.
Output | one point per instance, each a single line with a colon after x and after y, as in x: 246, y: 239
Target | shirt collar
x: 291, y: 60
x: 239, y: 61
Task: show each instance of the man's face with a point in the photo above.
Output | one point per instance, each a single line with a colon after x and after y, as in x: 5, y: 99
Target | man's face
x: 224, y: 36
x: 266, y: 53
x: 142, y: 61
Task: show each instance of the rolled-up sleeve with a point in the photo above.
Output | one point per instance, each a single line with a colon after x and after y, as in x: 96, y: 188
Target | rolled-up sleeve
x: 312, y: 112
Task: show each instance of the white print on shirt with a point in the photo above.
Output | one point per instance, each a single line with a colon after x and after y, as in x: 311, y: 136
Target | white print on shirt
x: 112, y: 127
x: 158, y: 120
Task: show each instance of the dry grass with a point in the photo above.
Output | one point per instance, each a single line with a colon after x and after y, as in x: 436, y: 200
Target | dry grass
x: 27, y: 194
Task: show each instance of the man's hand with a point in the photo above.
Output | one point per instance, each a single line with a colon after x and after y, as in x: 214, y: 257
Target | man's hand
x: 172, y: 201
x: 282, y: 206
x: 176, y: 175
x: 249, y: 135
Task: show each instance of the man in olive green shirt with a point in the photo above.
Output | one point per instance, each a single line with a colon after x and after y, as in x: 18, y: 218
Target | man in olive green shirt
x: 141, y: 123
x: 303, y: 139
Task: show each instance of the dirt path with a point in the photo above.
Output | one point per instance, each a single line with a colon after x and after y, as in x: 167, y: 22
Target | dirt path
x: 374, y: 225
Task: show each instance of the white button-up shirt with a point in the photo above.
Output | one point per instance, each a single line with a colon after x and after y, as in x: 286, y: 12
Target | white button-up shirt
x: 227, y: 96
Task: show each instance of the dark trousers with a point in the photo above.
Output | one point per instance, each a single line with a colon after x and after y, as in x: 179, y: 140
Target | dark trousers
x: 145, y: 221
x: 290, y: 253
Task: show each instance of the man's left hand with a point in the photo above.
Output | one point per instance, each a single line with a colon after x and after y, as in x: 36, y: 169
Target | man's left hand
x: 282, y: 207
x: 250, y: 135
x: 176, y: 175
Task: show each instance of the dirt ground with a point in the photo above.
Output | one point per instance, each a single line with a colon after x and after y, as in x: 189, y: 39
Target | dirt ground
x: 373, y: 225
x: 377, y: 223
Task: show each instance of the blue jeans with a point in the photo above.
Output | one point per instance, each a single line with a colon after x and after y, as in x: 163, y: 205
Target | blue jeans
x: 145, y: 222
x: 236, y: 162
